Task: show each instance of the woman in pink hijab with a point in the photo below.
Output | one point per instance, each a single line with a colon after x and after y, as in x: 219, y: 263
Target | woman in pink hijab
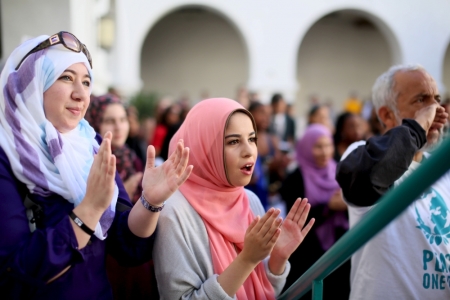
x: 214, y: 239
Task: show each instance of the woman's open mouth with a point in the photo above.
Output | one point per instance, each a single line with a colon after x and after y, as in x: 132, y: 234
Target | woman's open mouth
x: 247, y: 169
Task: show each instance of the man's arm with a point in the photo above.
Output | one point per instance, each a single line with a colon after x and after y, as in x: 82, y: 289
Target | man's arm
x: 370, y: 170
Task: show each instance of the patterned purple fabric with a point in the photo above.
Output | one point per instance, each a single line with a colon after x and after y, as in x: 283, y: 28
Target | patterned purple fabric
x: 17, y: 83
x: 32, y: 259
x: 55, y: 146
x: 45, y: 160
x: 94, y: 114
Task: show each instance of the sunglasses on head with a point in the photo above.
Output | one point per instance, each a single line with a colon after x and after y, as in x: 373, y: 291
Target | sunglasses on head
x: 63, y: 37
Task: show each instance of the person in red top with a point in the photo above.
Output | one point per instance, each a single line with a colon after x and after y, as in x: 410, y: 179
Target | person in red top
x: 170, y: 117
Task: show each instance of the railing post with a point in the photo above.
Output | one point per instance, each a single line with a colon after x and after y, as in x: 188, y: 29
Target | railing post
x: 317, y: 290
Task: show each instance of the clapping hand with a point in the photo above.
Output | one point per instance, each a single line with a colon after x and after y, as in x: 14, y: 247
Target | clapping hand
x: 261, y: 236
x: 293, y: 231
x: 101, y: 179
x: 160, y: 182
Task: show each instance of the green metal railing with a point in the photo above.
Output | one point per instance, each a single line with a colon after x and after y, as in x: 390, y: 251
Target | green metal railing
x: 387, y: 209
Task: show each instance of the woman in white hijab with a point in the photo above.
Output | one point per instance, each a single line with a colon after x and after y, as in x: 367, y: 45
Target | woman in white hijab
x: 53, y: 170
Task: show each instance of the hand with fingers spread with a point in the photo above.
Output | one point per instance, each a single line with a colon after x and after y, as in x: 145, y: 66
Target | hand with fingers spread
x: 99, y: 190
x: 101, y: 179
x: 293, y: 231
x: 261, y: 236
x: 159, y: 183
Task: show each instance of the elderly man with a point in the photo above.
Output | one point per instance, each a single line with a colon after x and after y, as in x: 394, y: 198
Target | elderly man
x: 410, y: 258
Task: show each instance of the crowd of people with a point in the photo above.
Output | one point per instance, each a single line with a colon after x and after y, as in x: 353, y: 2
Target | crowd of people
x: 221, y: 200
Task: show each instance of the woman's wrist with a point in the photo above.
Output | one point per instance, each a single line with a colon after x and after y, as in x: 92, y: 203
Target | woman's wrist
x: 149, y: 206
x: 149, y: 198
x: 89, y: 214
x: 92, y: 207
x: 141, y: 221
x: 247, y: 263
x: 89, y: 217
x: 277, y: 264
x: 81, y: 224
x: 234, y: 276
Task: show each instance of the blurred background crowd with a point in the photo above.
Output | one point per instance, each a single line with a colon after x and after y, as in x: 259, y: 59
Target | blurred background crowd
x: 304, y: 69
x: 278, y: 132
x: 290, y: 164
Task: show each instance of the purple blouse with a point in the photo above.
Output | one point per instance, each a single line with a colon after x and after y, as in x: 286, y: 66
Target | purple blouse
x: 28, y: 260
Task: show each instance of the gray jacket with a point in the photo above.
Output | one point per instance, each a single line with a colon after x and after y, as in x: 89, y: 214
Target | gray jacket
x: 182, y: 258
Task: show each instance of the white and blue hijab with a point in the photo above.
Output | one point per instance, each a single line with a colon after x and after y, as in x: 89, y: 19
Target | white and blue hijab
x: 40, y: 156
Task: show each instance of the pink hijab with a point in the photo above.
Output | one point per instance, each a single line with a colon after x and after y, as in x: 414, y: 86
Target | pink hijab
x: 225, y: 209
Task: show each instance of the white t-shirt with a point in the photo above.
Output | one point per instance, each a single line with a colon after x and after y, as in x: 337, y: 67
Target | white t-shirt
x: 279, y: 122
x: 410, y: 258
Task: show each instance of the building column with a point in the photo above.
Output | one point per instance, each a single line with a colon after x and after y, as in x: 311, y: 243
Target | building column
x: 125, y: 58
x: 269, y: 75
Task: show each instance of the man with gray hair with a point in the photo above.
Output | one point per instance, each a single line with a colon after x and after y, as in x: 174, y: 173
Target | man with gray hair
x: 410, y: 258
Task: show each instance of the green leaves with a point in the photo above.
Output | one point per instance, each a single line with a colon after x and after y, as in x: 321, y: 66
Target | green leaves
x: 145, y: 103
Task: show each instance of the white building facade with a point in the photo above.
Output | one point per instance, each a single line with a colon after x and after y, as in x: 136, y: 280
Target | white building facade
x: 299, y: 48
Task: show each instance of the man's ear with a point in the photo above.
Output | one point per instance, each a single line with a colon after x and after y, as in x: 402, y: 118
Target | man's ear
x: 387, y: 117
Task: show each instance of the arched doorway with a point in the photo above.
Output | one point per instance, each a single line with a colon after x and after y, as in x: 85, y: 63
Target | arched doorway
x: 194, y: 52
x: 342, y: 53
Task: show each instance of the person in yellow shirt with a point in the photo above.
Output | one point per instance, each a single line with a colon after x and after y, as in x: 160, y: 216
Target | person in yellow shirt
x: 353, y: 104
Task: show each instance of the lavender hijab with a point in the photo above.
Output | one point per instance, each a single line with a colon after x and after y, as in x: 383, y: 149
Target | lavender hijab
x: 320, y: 183
x: 40, y: 156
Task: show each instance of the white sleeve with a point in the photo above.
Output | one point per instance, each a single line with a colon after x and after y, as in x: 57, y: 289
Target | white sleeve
x: 351, y: 148
x: 277, y: 281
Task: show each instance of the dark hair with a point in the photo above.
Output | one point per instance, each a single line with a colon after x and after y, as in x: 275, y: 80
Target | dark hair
x: 166, y: 113
x: 313, y: 110
x: 276, y: 98
x: 340, y: 125
x: 254, y: 106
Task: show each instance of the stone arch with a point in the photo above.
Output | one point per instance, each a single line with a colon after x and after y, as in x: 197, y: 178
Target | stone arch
x: 194, y: 50
x: 343, y: 51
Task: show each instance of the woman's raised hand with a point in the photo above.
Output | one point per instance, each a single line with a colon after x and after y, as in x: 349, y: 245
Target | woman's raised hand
x: 160, y: 182
x: 100, y: 182
x: 293, y: 230
x: 261, y: 236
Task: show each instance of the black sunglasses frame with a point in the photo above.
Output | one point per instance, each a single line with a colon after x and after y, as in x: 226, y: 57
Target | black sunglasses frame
x: 58, y: 39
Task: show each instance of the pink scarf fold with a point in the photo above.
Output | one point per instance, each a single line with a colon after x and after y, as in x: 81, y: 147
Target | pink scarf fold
x: 225, y: 209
